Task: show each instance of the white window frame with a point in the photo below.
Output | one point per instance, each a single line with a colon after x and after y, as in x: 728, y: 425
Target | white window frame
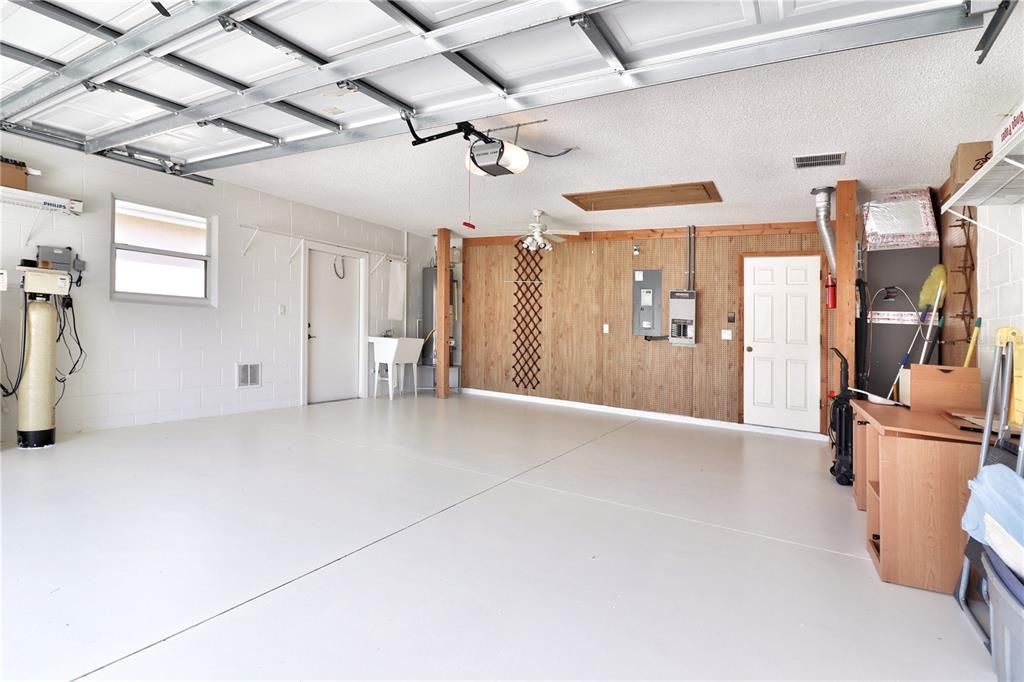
x: 207, y: 301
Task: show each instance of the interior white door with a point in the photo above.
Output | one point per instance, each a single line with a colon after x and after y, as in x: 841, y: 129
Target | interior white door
x: 782, y: 341
x: 332, y: 327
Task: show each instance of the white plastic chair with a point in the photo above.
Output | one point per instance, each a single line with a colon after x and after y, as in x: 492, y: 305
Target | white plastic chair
x: 396, y: 354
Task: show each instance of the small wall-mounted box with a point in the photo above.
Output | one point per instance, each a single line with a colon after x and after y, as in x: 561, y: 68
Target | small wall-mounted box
x: 682, y: 315
x: 44, y: 281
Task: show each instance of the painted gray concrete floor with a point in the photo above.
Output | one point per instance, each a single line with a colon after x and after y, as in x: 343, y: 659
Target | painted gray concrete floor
x: 468, y: 538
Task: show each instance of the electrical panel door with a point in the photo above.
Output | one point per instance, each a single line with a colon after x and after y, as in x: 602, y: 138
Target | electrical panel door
x: 647, y: 303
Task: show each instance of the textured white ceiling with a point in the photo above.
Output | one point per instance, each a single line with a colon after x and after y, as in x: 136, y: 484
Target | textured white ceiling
x: 898, y: 111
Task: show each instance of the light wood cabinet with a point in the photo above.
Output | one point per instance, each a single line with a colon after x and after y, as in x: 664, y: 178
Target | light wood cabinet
x: 911, y: 472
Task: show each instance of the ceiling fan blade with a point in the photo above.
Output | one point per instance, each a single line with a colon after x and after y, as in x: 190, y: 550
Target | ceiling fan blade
x: 567, y: 233
x: 551, y: 237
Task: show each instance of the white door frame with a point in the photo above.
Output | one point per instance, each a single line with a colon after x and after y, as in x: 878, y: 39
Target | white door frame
x: 822, y: 330
x: 364, y: 313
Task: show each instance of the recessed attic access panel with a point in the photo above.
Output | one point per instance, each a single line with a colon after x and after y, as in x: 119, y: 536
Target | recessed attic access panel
x: 647, y: 303
x: 681, y: 194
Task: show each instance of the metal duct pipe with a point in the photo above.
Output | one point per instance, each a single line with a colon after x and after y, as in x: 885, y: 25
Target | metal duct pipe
x: 823, y: 213
x: 691, y: 252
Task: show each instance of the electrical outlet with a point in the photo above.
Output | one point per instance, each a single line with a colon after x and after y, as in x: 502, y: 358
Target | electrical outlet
x: 726, y: 335
x: 604, y: 328
x: 281, y: 310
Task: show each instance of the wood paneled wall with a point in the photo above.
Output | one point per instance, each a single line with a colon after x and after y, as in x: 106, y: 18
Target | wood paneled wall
x: 588, y: 283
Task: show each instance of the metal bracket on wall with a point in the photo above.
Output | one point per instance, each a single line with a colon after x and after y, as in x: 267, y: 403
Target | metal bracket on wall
x: 245, y: 249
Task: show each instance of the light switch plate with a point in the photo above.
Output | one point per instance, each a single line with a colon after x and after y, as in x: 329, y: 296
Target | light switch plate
x: 727, y: 335
x: 3, y: 280
x: 604, y: 328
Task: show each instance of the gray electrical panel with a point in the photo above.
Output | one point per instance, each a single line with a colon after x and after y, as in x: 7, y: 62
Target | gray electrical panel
x: 682, y: 317
x: 647, y: 303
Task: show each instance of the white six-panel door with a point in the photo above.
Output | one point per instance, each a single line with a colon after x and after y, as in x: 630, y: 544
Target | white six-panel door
x: 782, y: 341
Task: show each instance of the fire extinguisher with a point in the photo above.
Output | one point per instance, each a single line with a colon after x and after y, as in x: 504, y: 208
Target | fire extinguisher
x: 830, y: 292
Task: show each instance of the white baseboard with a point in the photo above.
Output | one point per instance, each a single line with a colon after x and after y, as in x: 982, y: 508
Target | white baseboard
x: 643, y: 414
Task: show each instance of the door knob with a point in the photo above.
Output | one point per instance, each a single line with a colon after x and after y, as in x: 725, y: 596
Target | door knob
x: 750, y: 349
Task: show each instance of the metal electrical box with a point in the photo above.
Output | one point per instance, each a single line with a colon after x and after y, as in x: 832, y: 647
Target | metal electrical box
x: 647, y: 303
x: 682, y: 315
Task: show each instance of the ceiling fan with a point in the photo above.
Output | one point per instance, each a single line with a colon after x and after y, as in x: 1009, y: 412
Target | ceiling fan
x: 540, y: 237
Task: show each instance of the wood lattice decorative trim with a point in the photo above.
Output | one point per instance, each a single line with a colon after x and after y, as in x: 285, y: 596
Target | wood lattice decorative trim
x: 526, y: 319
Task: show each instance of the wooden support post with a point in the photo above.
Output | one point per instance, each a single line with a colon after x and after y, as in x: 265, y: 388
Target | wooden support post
x: 443, y: 309
x: 847, y: 229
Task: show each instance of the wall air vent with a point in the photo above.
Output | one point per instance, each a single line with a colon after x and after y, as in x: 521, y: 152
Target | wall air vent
x: 247, y: 375
x: 815, y: 160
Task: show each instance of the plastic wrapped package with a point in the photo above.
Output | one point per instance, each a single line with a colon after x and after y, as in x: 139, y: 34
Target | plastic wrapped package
x: 904, y: 219
x: 998, y: 491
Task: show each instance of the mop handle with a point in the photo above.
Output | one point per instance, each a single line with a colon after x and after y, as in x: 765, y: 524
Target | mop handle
x: 973, y: 343
x: 931, y: 324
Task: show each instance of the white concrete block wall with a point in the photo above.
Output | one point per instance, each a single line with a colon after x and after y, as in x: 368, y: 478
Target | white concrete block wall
x: 152, y: 363
x: 1000, y: 275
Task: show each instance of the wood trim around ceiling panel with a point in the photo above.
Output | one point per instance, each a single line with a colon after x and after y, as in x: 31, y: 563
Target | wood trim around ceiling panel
x: 753, y: 230
x: 680, y: 194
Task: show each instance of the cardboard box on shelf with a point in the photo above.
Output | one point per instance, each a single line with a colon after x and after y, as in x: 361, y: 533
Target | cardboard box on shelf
x: 941, y: 387
x: 968, y: 160
x: 13, y: 175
